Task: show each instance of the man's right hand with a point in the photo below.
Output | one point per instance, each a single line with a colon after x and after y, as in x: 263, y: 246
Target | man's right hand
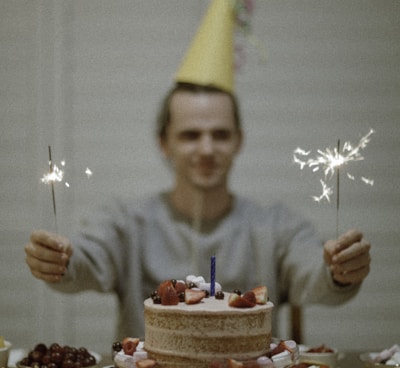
x: 47, y: 255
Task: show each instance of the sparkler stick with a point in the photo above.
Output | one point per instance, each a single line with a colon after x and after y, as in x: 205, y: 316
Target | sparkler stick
x: 52, y: 190
x: 196, y: 225
x: 337, y: 191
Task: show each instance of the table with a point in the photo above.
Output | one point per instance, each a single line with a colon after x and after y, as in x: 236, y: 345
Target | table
x: 350, y: 360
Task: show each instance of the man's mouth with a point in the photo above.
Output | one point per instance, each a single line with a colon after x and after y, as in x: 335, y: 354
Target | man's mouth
x: 206, y: 167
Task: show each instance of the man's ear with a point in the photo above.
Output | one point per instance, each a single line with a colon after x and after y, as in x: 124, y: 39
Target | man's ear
x: 240, y: 141
x: 163, y: 147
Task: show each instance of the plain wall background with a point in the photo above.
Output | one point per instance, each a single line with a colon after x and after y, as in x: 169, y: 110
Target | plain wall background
x: 86, y: 77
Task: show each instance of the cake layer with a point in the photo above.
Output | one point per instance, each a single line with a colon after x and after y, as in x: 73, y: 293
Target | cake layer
x: 194, y: 335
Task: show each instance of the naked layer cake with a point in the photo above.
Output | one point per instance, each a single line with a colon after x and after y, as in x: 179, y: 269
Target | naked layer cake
x: 194, y: 335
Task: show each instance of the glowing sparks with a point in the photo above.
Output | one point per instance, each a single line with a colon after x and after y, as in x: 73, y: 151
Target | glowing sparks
x: 57, y: 175
x: 53, y: 176
x: 326, y: 193
x: 368, y: 181
x: 330, y: 160
x: 88, y: 172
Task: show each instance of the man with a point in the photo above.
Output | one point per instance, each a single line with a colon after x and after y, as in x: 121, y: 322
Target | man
x: 129, y: 247
x: 132, y: 246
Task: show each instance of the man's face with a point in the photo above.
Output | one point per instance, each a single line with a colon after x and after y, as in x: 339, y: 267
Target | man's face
x: 202, y: 139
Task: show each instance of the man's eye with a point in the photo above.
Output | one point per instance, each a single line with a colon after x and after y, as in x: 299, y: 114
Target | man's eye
x: 189, y: 136
x: 221, y: 135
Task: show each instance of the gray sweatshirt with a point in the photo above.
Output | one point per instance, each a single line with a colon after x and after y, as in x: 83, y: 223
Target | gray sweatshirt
x: 130, y: 246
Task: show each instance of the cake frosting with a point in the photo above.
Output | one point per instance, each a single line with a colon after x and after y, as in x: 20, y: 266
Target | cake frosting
x: 194, y: 335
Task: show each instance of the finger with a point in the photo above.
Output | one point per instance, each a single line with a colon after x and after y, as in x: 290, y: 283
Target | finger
x: 352, y: 264
x: 353, y: 251
x: 45, y: 266
x: 353, y: 277
x: 45, y: 271
x: 347, y: 239
x: 47, y: 277
x: 45, y: 254
x: 329, y: 250
x: 47, y: 239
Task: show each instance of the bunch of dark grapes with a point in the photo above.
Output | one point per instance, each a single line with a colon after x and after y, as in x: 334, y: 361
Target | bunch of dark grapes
x: 56, y: 356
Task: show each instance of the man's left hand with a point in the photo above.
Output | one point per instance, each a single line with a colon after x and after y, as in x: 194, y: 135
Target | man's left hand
x: 348, y: 257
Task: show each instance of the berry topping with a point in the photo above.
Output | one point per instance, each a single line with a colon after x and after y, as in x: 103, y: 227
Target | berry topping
x: 169, y: 296
x: 129, y: 345
x: 194, y: 296
x: 157, y: 299
x: 250, y: 297
x: 57, y: 356
x: 237, y: 291
x: 153, y: 294
x: 117, y: 346
x: 261, y: 293
x: 219, y: 295
x: 288, y: 345
x: 180, y: 287
x: 238, y: 301
x: 167, y: 293
x: 232, y: 363
x: 164, y: 286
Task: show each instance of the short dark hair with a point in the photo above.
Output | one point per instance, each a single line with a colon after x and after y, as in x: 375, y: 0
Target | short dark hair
x: 164, y: 114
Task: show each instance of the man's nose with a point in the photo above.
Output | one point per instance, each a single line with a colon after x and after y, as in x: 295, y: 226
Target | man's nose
x: 206, y: 144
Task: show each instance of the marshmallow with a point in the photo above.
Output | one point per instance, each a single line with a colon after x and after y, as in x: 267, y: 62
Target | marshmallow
x: 394, y: 349
x: 190, y: 278
x: 139, y: 355
x: 124, y: 361
x: 282, y: 359
x: 207, y: 286
x: 396, y: 357
x: 291, y: 344
x: 265, y: 362
x: 201, y: 283
x: 388, y: 354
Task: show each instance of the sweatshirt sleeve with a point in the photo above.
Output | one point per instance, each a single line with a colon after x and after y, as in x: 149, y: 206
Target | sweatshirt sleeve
x: 98, y: 252
x: 303, y: 276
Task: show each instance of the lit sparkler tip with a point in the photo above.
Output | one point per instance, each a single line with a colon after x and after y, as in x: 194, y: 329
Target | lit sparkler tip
x: 88, y: 172
x: 54, y: 175
x: 331, y: 160
x: 368, y: 181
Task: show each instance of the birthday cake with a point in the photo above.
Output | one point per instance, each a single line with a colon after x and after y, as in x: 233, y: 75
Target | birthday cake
x: 199, y: 330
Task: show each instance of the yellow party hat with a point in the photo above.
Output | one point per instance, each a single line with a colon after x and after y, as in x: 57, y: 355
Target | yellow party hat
x: 210, y: 58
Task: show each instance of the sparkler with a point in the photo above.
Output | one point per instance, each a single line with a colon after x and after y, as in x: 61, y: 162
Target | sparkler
x: 330, y: 162
x: 54, y: 175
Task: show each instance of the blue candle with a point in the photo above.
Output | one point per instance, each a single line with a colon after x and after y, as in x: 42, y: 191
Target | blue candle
x: 212, y: 286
